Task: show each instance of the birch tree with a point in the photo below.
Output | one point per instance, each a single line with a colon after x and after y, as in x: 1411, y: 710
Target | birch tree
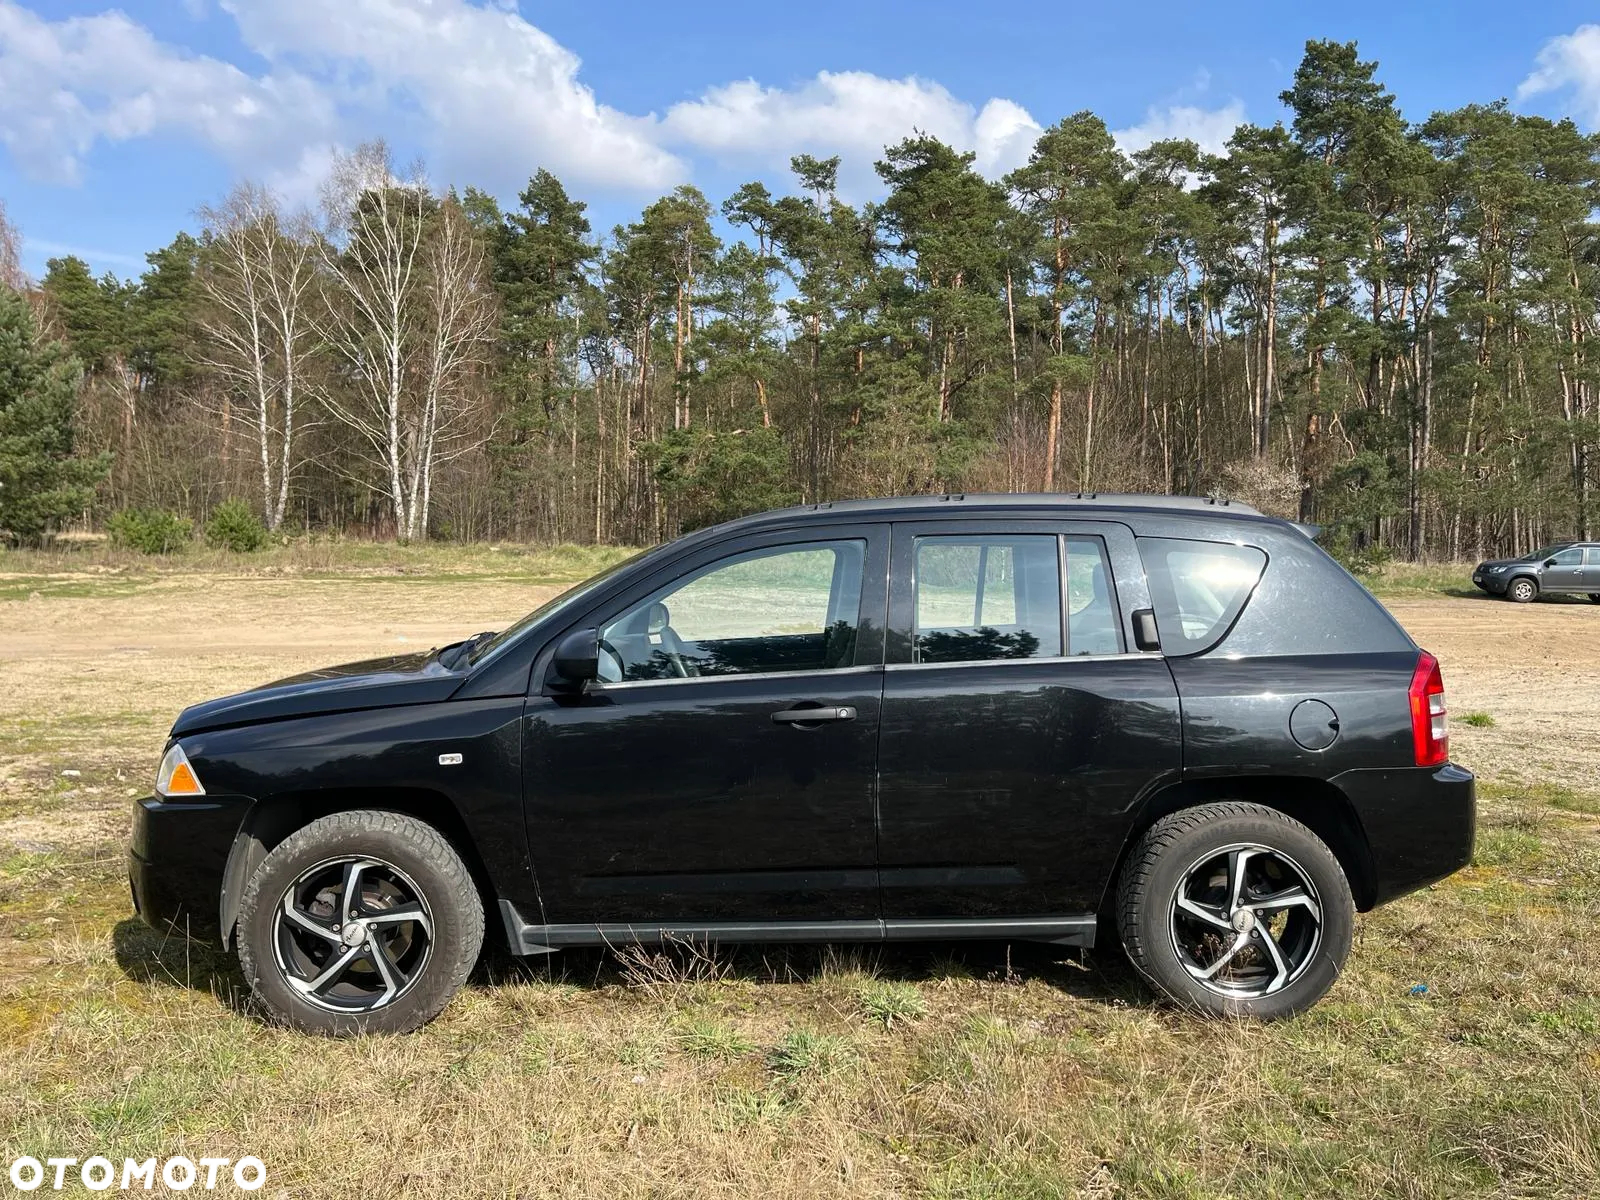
x: 258, y: 279
x: 409, y: 313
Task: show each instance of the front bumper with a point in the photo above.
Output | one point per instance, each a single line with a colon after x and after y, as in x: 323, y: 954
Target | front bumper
x: 1495, y: 585
x: 176, y: 859
x: 1420, y: 823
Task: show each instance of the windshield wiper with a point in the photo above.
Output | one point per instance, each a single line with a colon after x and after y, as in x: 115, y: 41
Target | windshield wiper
x: 461, y: 652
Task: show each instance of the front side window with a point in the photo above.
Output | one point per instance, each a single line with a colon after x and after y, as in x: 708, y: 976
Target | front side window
x: 1569, y: 558
x: 784, y: 608
x: 980, y: 598
x: 1199, y: 589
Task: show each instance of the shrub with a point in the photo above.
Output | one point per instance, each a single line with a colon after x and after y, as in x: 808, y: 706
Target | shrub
x: 235, y: 526
x: 150, y: 530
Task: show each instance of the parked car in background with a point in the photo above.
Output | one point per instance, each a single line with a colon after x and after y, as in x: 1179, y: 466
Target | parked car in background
x: 1047, y: 718
x: 1571, y: 568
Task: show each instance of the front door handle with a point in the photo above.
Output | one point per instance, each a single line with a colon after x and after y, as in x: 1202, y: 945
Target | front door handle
x: 796, y: 716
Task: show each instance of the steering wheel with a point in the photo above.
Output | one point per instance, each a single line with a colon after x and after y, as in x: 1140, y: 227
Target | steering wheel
x: 658, y: 624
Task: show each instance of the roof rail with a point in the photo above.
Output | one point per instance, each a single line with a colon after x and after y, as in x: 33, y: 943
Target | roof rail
x: 1038, y: 499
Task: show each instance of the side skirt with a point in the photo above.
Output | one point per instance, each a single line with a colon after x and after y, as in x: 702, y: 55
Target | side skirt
x: 525, y: 938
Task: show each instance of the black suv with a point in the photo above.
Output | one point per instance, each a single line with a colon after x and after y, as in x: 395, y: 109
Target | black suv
x: 1018, y: 717
x: 1571, y: 567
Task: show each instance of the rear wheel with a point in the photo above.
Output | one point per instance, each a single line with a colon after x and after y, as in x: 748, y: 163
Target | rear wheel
x: 1594, y: 597
x: 1235, y: 910
x: 1522, y: 590
x: 361, y: 922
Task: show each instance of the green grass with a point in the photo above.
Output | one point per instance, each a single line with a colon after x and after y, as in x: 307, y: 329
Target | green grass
x: 1422, y: 579
x: 108, y: 571
x: 1477, y: 720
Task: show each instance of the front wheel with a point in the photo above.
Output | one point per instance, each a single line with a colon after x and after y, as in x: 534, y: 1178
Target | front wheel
x: 1522, y: 590
x: 1235, y: 910
x: 361, y: 922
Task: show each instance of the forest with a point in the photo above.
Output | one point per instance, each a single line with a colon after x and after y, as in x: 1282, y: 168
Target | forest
x: 1372, y: 323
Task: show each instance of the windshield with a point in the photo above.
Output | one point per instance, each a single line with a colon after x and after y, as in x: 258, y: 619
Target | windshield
x: 553, y: 605
x: 1547, y: 552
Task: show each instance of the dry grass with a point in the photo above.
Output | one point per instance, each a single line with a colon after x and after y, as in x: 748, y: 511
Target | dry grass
x: 966, y: 1071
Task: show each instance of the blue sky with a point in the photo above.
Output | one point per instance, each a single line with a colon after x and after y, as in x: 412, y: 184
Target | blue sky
x: 116, y: 123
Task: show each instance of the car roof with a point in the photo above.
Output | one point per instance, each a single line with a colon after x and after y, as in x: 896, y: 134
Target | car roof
x: 952, y: 504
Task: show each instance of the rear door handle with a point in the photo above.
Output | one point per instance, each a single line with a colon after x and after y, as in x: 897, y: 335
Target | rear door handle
x: 796, y: 716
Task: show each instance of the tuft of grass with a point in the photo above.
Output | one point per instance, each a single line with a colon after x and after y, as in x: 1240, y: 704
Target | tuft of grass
x: 741, y: 1107
x: 1478, y: 720
x: 704, y: 1037
x: 888, y: 1001
x: 1506, y: 848
x: 805, y: 1052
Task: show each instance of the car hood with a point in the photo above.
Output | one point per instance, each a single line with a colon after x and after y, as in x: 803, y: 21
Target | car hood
x: 1502, y: 562
x: 374, y: 683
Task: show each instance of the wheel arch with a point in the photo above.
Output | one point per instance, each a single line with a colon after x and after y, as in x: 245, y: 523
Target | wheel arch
x: 271, y: 820
x: 1315, y: 803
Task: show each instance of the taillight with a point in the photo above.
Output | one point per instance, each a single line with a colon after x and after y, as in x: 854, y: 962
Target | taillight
x: 1428, y: 734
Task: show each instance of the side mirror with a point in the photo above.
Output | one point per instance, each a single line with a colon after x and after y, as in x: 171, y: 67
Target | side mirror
x: 577, y: 658
x: 1549, y: 562
x: 1145, y: 635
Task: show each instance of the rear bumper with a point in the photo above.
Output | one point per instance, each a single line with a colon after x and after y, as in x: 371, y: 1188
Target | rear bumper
x: 1419, y: 821
x: 176, y: 859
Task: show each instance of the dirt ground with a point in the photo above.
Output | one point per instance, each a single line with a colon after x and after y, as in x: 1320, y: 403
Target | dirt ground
x: 1533, y: 668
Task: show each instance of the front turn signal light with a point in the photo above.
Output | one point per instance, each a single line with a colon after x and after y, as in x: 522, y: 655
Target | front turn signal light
x: 176, y: 777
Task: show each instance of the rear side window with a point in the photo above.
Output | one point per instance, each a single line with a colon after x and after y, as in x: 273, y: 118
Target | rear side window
x: 1093, y: 626
x: 1199, y: 589
x: 983, y: 598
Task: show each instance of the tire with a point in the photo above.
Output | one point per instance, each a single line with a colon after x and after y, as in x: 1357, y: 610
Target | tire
x: 1171, y: 947
x: 1522, y: 590
x: 318, y: 969
x: 1594, y: 597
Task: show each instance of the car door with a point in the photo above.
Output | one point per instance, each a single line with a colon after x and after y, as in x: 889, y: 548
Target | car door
x: 1564, y: 571
x: 1591, y: 570
x: 1019, y: 732
x: 722, y: 769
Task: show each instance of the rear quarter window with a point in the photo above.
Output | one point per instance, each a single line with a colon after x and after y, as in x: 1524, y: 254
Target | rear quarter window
x: 1198, y: 589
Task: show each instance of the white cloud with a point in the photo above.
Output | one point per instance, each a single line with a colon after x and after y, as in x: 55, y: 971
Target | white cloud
x: 1570, y: 62
x: 1208, y: 128
x: 44, y: 248
x: 854, y: 114
x: 66, y: 85
x: 495, y: 95
x: 485, y: 94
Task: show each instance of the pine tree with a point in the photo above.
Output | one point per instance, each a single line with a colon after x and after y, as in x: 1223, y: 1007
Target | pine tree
x: 41, y: 482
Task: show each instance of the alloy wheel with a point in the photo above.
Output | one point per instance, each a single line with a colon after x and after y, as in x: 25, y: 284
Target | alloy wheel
x: 1246, y: 921
x: 352, y: 934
